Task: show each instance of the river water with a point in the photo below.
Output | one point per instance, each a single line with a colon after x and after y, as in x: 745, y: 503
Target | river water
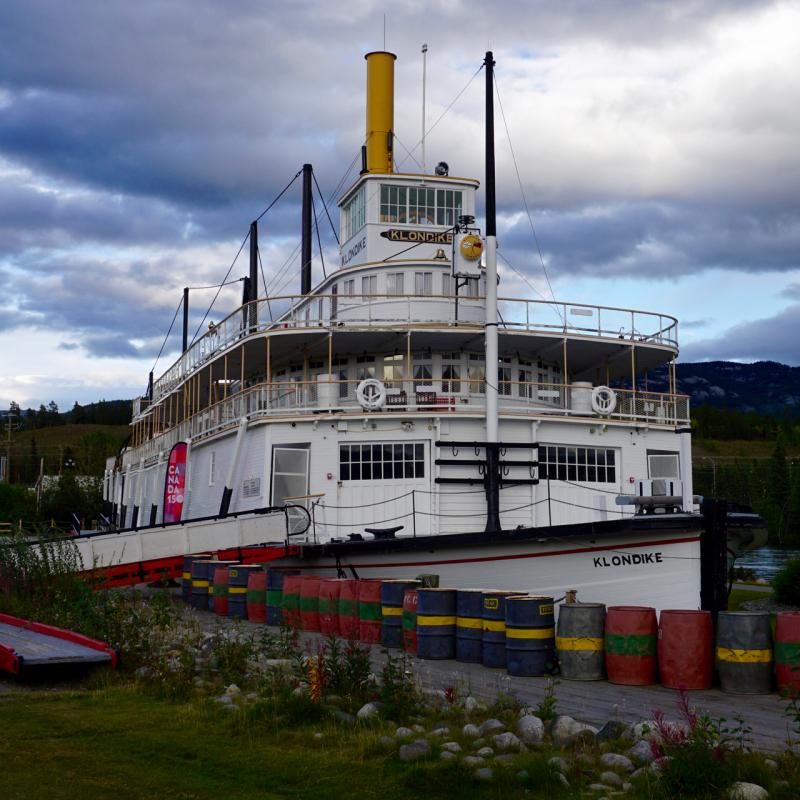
x: 766, y: 561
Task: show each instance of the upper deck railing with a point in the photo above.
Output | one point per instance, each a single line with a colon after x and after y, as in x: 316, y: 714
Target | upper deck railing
x: 340, y: 311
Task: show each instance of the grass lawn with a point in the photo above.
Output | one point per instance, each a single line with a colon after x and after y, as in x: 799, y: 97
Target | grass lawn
x: 739, y: 596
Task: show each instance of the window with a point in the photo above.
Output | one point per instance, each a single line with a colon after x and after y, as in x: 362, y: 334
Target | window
x: 290, y: 471
x: 476, y: 375
x: 354, y: 214
x: 393, y: 371
x: 448, y: 206
x: 387, y: 461
x: 471, y: 288
x: 423, y: 283
x: 369, y: 284
x: 394, y: 204
x: 394, y: 283
x: 366, y: 367
x: 349, y: 287
x: 451, y: 378
x: 525, y: 382
x: 423, y: 376
x: 447, y: 285
x: 663, y: 465
x: 504, y: 377
x: 577, y: 464
x: 418, y: 205
x: 421, y: 206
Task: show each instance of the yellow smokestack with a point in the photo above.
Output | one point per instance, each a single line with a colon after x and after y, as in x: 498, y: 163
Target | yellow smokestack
x: 380, y: 111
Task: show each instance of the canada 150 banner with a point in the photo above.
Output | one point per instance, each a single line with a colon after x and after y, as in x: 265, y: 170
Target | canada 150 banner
x: 175, y: 483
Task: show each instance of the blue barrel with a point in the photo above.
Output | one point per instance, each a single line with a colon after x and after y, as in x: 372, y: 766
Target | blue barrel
x: 392, y: 593
x: 436, y: 623
x: 237, y: 588
x: 275, y: 594
x: 493, y: 634
x: 530, y: 637
x: 201, y: 569
x: 186, y: 575
x: 469, y: 625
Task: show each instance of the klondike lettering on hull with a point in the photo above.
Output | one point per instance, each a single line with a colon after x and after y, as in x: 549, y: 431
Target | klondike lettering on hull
x: 628, y: 559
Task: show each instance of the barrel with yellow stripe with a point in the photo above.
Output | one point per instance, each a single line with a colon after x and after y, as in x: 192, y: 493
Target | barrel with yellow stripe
x: 744, y: 652
x: 530, y: 636
x: 579, y: 641
x: 392, y: 593
x: 493, y: 632
x: 186, y: 575
x: 215, y: 591
x: 436, y: 623
x: 201, y: 570
x: 238, y: 575
x: 469, y: 625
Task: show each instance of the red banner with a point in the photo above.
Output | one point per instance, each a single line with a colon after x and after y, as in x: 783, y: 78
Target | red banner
x: 175, y: 483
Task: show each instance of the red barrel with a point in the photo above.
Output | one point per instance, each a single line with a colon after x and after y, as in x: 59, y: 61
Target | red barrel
x: 410, y: 621
x: 291, y: 600
x: 787, y: 652
x: 348, y: 609
x: 257, y: 597
x: 309, y: 603
x: 329, y: 606
x: 220, y: 602
x: 685, y: 649
x: 369, y: 611
x: 630, y: 640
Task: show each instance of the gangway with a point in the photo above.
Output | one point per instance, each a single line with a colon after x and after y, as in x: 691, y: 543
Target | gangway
x: 27, y: 644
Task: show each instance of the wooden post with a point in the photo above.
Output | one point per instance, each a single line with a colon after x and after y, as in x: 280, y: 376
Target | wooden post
x: 225, y: 377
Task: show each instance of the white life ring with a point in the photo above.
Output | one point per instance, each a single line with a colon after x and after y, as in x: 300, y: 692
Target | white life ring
x: 604, y: 400
x: 371, y: 394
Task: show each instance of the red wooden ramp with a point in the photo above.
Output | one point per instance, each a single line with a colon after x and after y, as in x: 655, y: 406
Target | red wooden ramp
x: 24, y: 644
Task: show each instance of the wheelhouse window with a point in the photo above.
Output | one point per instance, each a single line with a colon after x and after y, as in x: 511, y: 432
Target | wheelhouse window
x: 447, y: 285
x: 354, y: 214
x: 577, y: 464
x: 386, y: 461
x: 448, y: 206
x: 423, y: 283
x: 417, y: 205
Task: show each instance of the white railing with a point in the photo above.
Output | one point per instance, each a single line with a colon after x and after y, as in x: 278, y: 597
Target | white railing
x: 298, y: 398
x: 337, y: 312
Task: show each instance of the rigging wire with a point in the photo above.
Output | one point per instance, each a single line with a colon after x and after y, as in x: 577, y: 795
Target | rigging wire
x: 522, y: 189
x: 397, y: 139
x: 264, y: 281
x: 215, y: 286
x: 163, y: 344
x: 316, y: 228
x: 325, y: 206
x: 281, y: 194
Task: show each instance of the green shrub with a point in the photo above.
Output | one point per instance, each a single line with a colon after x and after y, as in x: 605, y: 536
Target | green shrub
x: 787, y: 583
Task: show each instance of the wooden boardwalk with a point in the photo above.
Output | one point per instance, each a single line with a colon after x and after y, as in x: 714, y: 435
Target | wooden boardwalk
x: 38, y: 649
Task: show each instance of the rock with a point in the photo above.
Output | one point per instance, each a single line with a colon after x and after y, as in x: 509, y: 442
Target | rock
x: 319, y: 735
x: 386, y: 741
x: 472, y: 761
x: 225, y: 700
x: 642, y: 730
x: 531, y: 729
x: 566, y: 730
x: 770, y: 763
x: 452, y: 747
x: 446, y: 755
x: 368, y: 711
x: 436, y: 696
x: 627, y: 786
x: 522, y: 775
x: 616, y: 761
x: 416, y: 750
x: 471, y: 731
x: 479, y: 742
x: 507, y: 741
x: 251, y: 696
x: 484, y: 774
x: 611, y: 779
x: 505, y: 760
x: 747, y: 791
x: 563, y: 779
x: 641, y: 752
x: 485, y: 752
x: 441, y: 731
x: 613, y: 729
x: 471, y: 705
x: 418, y: 728
x: 343, y: 716
x: 558, y: 763
x: 233, y: 690
x: 598, y: 787
x: 142, y: 673
x: 403, y: 733
x: 300, y: 691
x: 281, y: 664
x: 637, y: 773
x: 491, y: 726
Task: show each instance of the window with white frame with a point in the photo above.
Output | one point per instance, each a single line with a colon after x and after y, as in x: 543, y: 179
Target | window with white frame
x: 354, y: 214
x: 577, y: 464
x: 419, y: 205
x: 394, y: 283
x: 349, y: 287
x: 525, y: 381
x: 423, y: 283
x: 451, y: 373
x: 504, y: 376
x: 448, y: 206
x: 369, y: 284
x: 423, y: 375
x: 385, y: 461
x: 476, y: 374
x: 663, y: 464
x: 393, y: 372
x: 447, y: 284
x: 471, y: 288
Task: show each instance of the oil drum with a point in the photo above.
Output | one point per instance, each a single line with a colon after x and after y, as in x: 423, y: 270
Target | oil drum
x: 630, y: 642
x: 369, y: 611
x: 348, y: 609
x: 436, y: 623
x: 685, y: 649
x: 221, y: 591
x: 186, y: 575
x: 238, y: 575
x: 309, y: 603
x: 410, y: 621
x: 744, y: 652
x: 530, y: 636
x: 212, y: 582
x: 257, y: 596
x: 329, y: 606
x: 493, y: 628
x: 469, y: 625
x: 787, y: 652
x: 275, y: 594
x: 392, y: 593
x: 579, y: 641
x: 291, y: 599
x: 201, y: 568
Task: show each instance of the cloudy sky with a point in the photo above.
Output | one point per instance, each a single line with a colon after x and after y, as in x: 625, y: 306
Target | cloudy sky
x: 657, y: 145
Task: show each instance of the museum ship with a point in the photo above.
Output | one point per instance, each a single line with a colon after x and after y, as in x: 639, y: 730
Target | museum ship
x: 404, y: 416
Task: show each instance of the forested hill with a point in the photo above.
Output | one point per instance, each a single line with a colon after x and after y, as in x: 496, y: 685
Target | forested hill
x: 765, y: 387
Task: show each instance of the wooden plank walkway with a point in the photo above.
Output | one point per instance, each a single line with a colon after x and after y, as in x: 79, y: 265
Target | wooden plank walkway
x: 37, y: 649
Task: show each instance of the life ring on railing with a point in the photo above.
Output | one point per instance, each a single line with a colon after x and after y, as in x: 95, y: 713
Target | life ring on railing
x: 604, y: 400
x: 371, y: 394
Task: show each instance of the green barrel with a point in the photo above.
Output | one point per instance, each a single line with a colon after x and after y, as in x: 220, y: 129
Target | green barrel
x: 579, y: 641
x: 469, y: 625
x: 186, y: 575
x: 291, y: 600
x: 200, y: 582
x: 493, y: 628
x: 237, y: 588
x: 744, y: 652
x: 392, y: 593
x: 436, y: 623
x: 275, y: 594
x: 530, y: 636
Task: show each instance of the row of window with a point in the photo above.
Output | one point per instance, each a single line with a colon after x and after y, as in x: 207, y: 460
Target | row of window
x: 396, y: 285
x: 577, y: 464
